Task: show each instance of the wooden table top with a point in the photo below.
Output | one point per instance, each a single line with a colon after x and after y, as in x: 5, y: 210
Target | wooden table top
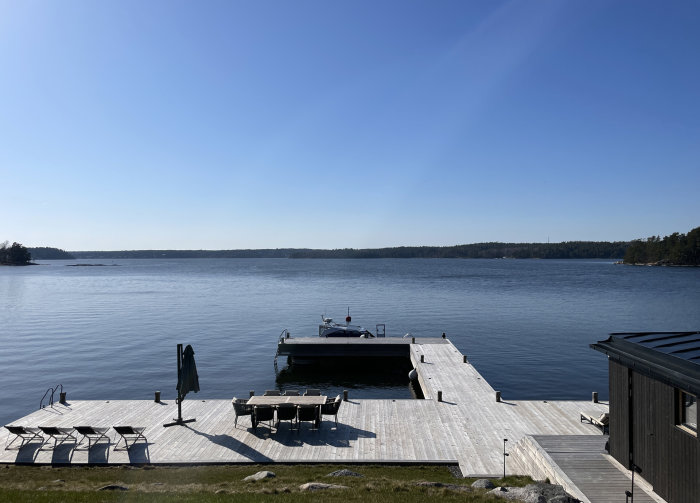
x: 296, y: 400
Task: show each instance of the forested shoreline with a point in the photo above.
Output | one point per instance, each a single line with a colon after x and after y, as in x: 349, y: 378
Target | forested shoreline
x: 573, y: 249
x: 676, y: 249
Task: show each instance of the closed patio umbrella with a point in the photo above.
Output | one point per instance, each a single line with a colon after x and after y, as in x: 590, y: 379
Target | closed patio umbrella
x: 187, y: 380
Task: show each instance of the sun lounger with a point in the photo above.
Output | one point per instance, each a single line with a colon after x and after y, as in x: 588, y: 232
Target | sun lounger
x: 602, y: 421
x: 59, y: 434
x: 129, y: 433
x: 26, y: 433
x: 93, y: 434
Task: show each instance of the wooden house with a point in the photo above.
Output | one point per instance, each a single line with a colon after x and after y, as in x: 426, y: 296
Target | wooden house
x: 654, y: 387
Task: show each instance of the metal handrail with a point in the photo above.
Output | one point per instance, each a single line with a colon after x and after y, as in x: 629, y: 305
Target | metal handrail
x: 53, y: 391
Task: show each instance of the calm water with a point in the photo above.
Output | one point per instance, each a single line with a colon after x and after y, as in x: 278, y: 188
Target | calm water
x: 111, y: 332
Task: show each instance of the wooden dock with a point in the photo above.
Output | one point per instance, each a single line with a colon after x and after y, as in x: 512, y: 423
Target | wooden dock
x: 466, y: 427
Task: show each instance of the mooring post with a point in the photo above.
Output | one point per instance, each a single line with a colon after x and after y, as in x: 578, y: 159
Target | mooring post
x: 498, y: 396
x: 62, y: 397
x: 422, y: 358
x: 595, y: 397
x: 413, y: 340
x: 287, y: 335
x: 345, y: 395
x: 439, y: 396
x: 252, y: 392
x: 443, y: 335
x: 157, y: 397
x: 464, y: 359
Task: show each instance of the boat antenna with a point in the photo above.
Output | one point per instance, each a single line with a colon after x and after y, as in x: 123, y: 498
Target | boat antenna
x: 348, y: 319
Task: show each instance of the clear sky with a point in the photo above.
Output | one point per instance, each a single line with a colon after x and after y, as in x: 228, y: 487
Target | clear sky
x: 332, y: 124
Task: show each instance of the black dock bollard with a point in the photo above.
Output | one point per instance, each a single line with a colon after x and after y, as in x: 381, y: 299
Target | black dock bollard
x: 413, y: 340
x: 345, y: 395
x: 157, y: 397
x: 595, y: 397
x: 252, y: 392
x: 464, y: 359
x: 422, y: 358
x: 62, y: 397
x: 443, y: 335
x: 498, y: 396
x: 439, y: 396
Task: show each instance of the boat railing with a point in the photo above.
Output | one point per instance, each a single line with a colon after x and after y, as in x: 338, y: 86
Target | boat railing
x: 284, y: 335
x: 52, y: 391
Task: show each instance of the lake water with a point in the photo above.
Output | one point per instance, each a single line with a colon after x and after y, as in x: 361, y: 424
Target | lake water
x: 111, y: 332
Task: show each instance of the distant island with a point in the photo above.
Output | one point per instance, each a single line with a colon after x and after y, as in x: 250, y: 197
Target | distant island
x: 674, y: 250
x: 15, y: 254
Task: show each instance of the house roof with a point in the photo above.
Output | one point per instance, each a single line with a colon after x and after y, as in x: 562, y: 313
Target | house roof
x: 670, y: 357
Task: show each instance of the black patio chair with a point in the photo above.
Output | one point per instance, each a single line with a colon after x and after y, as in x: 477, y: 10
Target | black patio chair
x: 241, y: 408
x: 271, y: 392
x: 291, y: 392
x: 286, y: 412
x: 331, y: 408
x: 307, y: 413
x: 312, y: 392
x: 263, y: 413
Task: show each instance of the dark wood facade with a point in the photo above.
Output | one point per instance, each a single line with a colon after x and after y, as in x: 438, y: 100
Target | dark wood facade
x: 643, y: 431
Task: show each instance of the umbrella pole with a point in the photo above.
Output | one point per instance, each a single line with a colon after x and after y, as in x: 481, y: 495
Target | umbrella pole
x: 179, y: 420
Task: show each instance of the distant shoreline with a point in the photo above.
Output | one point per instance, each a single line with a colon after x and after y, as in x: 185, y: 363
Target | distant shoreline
x: 567, y: 250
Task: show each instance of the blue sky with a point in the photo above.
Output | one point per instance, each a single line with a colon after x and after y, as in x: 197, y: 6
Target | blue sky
x: 273, y: 124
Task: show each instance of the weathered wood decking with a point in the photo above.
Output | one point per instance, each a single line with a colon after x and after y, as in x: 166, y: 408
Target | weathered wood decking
x: 467, y: 427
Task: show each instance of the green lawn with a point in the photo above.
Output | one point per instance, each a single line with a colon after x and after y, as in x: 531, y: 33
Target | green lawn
x: 225, y: 483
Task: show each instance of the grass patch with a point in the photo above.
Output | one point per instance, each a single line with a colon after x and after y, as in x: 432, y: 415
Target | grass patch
x: 379, y: 483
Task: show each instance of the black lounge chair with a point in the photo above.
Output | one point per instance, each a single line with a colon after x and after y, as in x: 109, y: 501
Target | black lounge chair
x: 263, y: 413
x: 331, y: 408
x: 271, y: 392
x: 291, y: 392
x: 26, y: 433
x: 241, y: 408
x: 286, y: 412
x: 126, y: 433
x: 307, y: 413
x: 59, y: 434
x: 93, y: 434
x: 312, y: 392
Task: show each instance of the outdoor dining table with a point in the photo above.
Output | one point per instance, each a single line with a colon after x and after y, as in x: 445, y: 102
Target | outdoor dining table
x: 274, y: 401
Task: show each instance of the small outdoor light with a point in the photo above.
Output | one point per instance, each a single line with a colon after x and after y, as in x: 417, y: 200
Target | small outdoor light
x: 504, y: 457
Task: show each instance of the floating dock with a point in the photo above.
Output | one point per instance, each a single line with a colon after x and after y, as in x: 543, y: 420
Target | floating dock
x: 460, y: 421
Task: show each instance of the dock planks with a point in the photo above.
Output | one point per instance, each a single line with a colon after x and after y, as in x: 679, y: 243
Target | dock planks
x: 467, y: 427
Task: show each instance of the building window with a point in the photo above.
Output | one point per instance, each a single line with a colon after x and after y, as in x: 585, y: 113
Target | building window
x: 688, y: 411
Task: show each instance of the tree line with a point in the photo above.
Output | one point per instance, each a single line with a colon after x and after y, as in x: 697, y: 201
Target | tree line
x: 676, y: 249
x: 15, y: 254
x: 566, y: 250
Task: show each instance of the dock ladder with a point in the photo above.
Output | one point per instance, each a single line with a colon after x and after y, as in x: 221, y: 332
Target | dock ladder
x: 52, y: 391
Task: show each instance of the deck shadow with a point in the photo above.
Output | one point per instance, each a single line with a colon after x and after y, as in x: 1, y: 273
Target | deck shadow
x: 63, y: 454
x: 233, y: 444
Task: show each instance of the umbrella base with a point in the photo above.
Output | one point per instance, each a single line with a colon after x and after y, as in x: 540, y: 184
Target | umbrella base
x: 180, y: 421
